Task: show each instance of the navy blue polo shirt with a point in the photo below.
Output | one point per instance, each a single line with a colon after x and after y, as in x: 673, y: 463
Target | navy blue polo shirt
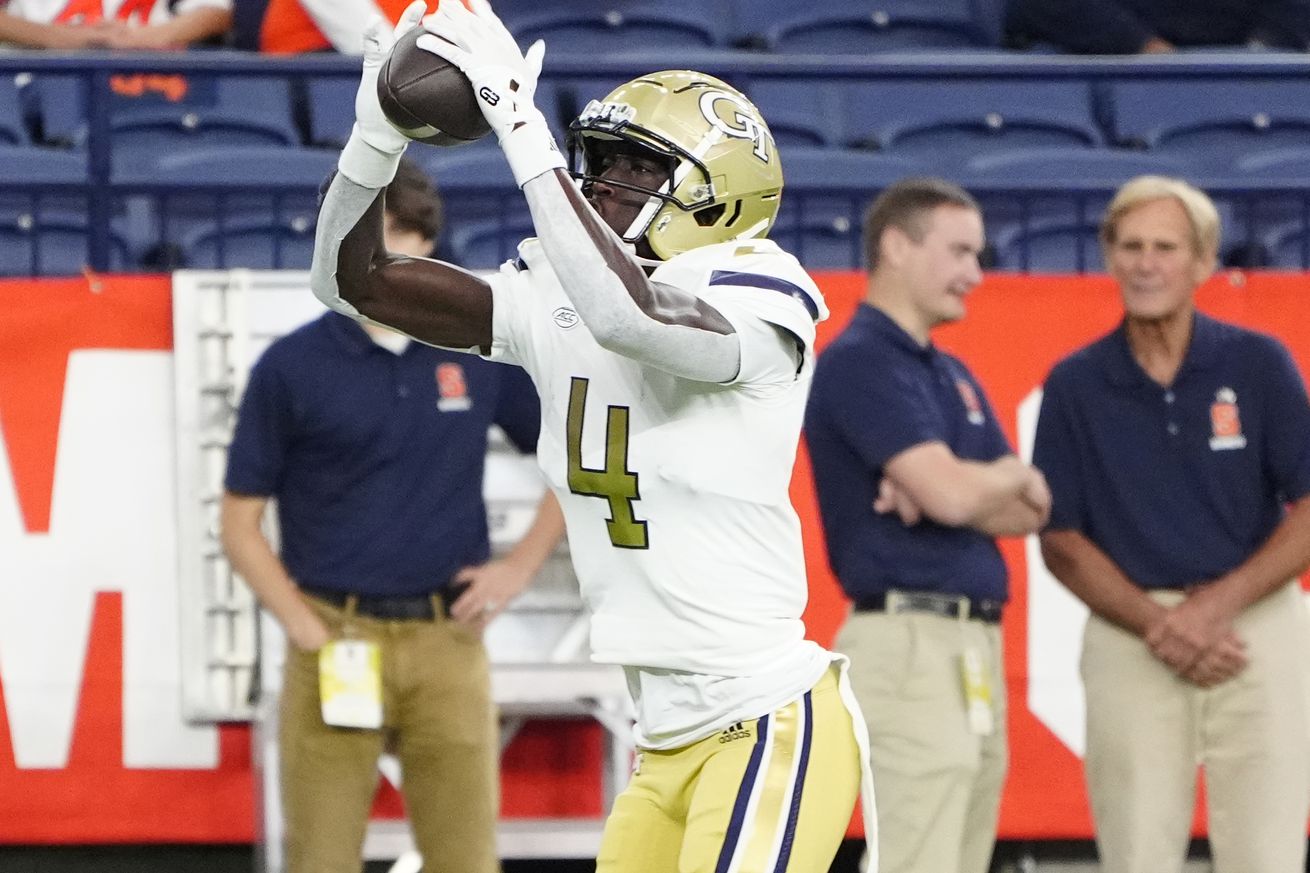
x: 1177, y: 484
x: 375, y: 458
x: 876, y: 393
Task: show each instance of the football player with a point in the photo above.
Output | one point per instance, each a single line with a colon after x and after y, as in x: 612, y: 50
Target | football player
x: 672, y: 346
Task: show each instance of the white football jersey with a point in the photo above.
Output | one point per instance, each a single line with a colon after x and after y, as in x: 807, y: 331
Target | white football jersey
x: 675, y: 492
x: 91, y: 11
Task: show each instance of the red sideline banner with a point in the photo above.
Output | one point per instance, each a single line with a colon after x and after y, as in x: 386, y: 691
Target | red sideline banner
x: 93, y: 748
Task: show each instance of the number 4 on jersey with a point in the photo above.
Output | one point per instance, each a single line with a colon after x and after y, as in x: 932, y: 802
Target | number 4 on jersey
x: 614, y: 482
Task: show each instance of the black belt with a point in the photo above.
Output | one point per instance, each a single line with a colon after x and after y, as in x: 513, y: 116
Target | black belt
x: 947, y: 605
x: 415, y: 607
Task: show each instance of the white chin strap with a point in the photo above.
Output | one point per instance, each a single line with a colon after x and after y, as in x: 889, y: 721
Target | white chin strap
x: 641, y: 223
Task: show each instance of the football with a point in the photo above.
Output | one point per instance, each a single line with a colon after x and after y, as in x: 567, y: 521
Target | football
x: 427, y: 97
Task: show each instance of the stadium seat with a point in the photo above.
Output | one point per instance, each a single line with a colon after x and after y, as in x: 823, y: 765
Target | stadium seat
x: 801, y: 112
x: 590, y: 27
x: 259, y: 241
x: 858, y: 27
x: 825, y: 193
x: 330, y: 108
x: 37, y: 179
x: 488, y: 243
x: 245, y: 166
x: 478, y: 167
x: 50, y: 243
x: 1049, y: 245
x: 180, y: 114
x: 1055, y: 183
x: 13, y: 131
x: 186, y: 192
x: 1217, y: 122
x: 1287, y: 246
x: 36, y: 165
x: 954, y: 119
x: 945, y: 121
x: 1285, y: 163
x: 1057, y: 165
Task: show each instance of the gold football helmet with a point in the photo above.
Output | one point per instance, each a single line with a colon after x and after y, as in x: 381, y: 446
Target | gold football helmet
x: 725, y: 179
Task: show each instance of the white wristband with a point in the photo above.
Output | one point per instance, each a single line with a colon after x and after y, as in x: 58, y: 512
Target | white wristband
x: 530, y: 150
x: 367, y: 165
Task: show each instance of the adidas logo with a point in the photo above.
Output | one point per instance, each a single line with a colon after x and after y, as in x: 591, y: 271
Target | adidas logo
x: 734, y: 732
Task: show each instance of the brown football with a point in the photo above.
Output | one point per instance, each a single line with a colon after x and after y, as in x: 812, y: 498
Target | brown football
x: 427, y: 97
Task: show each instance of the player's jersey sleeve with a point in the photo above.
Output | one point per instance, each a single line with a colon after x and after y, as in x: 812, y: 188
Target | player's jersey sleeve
x: 758, y: 288
x: 511, y: 297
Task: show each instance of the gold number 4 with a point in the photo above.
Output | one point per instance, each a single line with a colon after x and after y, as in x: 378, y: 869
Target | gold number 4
x: 614, y: 482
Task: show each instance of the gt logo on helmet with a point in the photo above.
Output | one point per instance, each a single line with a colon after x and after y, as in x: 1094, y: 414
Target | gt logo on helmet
x: 746, y: 126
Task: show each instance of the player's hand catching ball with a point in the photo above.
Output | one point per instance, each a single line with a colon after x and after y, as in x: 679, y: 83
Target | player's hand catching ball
x: 503, y: 77
x: 375, y: 146
x: 371, y: 124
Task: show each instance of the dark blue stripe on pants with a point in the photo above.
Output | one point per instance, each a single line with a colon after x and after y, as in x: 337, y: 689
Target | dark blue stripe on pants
x: 731, y: 838
x: 789, y: 836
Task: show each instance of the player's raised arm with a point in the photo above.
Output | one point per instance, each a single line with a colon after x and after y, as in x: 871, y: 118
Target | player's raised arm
x: 663, y: 326
x: 352, y: 272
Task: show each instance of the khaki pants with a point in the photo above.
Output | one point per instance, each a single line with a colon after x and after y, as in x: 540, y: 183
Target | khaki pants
x: 1148, y: 730
x: 938, y: 783
x: 438, y: 720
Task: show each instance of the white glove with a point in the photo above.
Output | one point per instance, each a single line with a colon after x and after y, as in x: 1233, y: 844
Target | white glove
x: 375, y: 145
x: 503, y: 77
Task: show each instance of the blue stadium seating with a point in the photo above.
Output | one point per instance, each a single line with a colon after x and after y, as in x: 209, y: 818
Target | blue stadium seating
x: 1216, y: 123
x: 801, y: 112
x: 259, y: 241
x: 244, y: 166
x: 1053, y: 184
x: 1286, y: 163
x: 1287, y: 246
x: 212, y: 111
x: 1056, y: 165
x: 946, y: 121
x: 50, y: 243
x: 590, y: 27
x: 330, y: 108
x: 488, y: 243
x: 1049, y: 245
x: 36, y: 165
x: 960, y: 118
x: 215, y: 155
x: 13, y: 130
x: 859, y: 27
x: 471, y: 168
x: 37, y: 175
x: 824, y: 195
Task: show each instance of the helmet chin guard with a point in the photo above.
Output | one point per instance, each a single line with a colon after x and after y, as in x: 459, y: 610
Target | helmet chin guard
x: 725, y: 179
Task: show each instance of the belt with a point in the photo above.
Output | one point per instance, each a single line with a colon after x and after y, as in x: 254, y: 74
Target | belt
x: 947, y: 605
x: 413, y: 607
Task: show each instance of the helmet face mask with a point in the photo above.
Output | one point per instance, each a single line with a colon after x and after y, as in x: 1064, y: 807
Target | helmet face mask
x: 725, y: 180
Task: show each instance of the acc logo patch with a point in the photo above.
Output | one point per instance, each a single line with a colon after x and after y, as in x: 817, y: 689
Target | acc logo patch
x: 565, y: 317
x: 1226, y: 422
x: 452, y: 389
x: 972, y: 405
